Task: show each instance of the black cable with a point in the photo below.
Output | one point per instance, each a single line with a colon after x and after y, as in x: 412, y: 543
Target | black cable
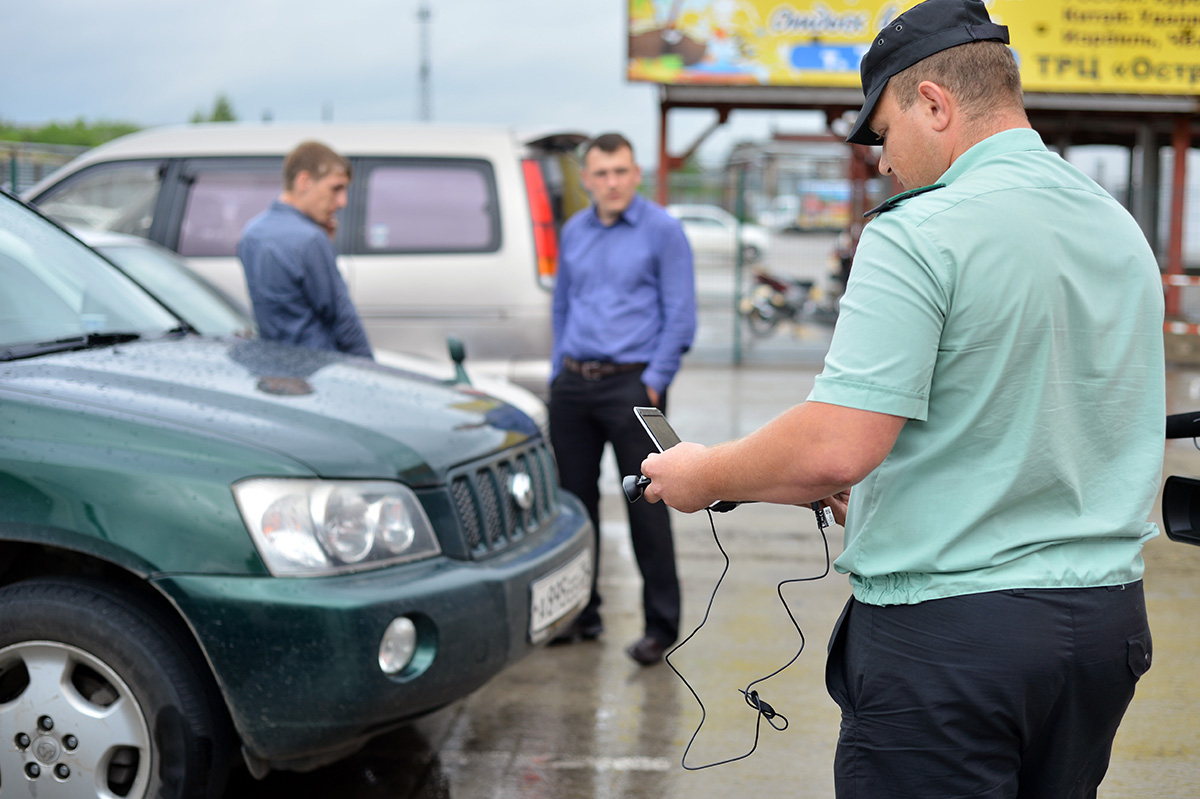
x: 760, y: 706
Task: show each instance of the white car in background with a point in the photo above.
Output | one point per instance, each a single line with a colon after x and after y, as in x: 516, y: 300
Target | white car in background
x: 448, y: 230
x: 783, y: 214
x: 212, y: 312
x: 714, y: 234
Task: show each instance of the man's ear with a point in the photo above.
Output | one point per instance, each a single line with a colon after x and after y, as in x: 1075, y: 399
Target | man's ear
x: 937, y: 103
x: 303, y: 182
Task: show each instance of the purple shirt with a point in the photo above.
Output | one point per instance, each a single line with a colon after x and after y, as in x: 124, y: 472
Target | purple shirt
x: 625, y: 293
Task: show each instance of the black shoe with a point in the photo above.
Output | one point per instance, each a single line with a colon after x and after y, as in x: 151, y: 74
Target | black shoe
x: 579, y: 631
x: 647, y: 651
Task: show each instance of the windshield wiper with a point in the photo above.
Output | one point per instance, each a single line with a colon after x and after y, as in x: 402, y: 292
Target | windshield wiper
x: 84, y: 342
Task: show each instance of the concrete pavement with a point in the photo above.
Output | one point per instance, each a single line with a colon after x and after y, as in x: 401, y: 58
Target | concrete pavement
x: 586, y: 722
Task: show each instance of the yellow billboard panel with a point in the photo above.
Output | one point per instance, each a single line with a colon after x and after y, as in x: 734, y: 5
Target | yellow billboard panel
x: 1114, y: 46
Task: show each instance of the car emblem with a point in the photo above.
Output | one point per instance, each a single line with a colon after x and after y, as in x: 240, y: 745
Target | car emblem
x: 46, y: 749
x: 520, y: 486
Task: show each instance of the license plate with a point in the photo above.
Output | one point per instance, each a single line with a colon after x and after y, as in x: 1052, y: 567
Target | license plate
x: 558, y: 593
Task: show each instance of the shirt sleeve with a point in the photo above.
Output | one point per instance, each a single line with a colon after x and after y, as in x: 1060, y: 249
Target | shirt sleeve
x: 677, y: 298
x: 326, y: 292
x: 560, y: 305
x: 885, y: 343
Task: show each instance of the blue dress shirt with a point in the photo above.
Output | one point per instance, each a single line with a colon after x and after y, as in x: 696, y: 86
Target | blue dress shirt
x: 625, y: 292
x: 298, y: 295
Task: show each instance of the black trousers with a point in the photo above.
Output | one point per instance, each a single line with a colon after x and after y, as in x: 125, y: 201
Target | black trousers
x: 1000, y: 695
x: 584, y: 416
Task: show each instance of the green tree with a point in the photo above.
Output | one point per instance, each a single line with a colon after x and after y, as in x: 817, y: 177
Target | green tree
x: 222, y: 111
x: 80, y: 132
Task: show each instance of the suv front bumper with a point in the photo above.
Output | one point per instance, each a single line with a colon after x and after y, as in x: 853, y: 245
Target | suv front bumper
x: 297, y: 660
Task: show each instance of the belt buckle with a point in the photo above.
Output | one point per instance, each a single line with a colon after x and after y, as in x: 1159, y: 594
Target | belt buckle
x: 591, y: 370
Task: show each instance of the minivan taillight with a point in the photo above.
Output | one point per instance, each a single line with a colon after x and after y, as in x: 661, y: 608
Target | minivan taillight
x: 545, y: 237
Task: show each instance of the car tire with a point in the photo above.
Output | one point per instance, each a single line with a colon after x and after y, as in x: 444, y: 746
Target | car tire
x: 98, y: 687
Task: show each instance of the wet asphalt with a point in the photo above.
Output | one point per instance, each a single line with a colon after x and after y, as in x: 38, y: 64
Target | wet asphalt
x: 584, y: 721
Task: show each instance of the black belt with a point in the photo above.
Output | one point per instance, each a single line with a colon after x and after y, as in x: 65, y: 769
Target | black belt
x: 596, y: 370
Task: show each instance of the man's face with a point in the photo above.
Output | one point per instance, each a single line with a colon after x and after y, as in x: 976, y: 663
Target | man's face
x: 612, y: 179
x: 321, y: 198
x: 909, y: 150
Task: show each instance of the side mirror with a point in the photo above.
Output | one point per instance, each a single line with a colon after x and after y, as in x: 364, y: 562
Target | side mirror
x: 458, y: 354
x: 1181, y: 509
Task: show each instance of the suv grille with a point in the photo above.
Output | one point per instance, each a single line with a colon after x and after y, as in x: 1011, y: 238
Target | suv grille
x: 487, y: 505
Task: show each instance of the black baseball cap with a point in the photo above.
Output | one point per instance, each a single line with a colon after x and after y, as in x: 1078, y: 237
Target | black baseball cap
x: 918, y: 33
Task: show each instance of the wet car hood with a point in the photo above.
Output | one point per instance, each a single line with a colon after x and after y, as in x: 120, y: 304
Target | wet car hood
x: 337, y: 415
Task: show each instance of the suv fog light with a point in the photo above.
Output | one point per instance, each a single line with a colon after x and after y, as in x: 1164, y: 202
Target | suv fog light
x: 398, y: 646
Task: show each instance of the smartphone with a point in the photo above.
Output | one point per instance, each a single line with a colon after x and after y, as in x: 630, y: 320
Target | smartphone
x: 661, y: 433
x: 665, y: 437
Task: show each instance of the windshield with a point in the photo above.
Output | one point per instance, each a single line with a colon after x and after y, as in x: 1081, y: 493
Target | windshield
x: 56, y: 290
x: 165, y: 274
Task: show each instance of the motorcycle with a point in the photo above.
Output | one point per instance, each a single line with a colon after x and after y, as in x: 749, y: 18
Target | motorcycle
x: 777, y: 298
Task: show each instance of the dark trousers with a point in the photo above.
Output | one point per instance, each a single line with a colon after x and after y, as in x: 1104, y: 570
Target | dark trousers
x: 584, y: 416
x: 1007, y: 694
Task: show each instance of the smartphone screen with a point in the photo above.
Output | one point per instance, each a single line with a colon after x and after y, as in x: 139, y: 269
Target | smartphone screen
x: 661, y: 433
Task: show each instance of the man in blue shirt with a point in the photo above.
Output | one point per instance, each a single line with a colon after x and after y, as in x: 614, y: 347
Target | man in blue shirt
x: 299, y: 297
x: 624, y: 314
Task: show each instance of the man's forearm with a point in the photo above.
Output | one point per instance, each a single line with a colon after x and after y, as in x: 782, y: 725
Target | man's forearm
x: 808, y: 453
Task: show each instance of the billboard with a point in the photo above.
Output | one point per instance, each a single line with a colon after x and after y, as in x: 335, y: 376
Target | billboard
x: 1112, y: 46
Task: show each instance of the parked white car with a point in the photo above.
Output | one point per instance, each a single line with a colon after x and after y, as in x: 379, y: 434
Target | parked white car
x: 714, y: 233
x: 447, y: 231
x: 783, y: 214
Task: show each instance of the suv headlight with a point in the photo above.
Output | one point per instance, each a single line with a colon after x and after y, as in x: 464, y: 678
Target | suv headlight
x: 306, y: 528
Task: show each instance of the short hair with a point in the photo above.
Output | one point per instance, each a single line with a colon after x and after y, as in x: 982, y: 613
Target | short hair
x: 607, y: 143
x: 983, y: 77
x: 314, y: 158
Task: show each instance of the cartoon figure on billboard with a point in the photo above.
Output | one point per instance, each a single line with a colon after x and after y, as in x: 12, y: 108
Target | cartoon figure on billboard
x: 717, y: 40
x: 653, y: 36
x: 741, y: 41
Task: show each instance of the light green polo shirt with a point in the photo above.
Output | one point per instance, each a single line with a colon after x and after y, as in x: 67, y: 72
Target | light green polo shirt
x: 1014, y: 316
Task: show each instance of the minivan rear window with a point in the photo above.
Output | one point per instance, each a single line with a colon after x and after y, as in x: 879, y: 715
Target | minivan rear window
x: 428, y: 206
x: 116, y: 197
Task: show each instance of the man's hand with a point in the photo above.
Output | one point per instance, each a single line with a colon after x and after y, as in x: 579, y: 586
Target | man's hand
x: 811, y: 451
x: 331, y: 227
x: 676, y: 477
x: 653, y: 395
x: 837, y: 503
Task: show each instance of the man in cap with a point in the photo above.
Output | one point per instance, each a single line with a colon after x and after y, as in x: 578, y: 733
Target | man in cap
x: 994, y: 392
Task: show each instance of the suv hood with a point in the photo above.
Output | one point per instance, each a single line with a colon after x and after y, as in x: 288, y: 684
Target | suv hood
x: 338, y: 415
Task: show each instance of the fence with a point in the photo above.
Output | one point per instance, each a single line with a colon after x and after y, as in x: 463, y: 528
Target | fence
x: 798, y: 238
x: 721, y: 212
x: 26, y: 163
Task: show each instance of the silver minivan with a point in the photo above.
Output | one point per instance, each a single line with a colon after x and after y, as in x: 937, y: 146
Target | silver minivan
x: 448, y: 231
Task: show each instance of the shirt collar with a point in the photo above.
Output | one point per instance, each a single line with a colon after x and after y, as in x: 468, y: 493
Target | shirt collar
x: 630, y: 216
x: 280, y: 205
x: 1006, y: 141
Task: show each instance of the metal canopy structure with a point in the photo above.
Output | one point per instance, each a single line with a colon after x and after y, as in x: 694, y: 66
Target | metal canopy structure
x: 1143, y: 124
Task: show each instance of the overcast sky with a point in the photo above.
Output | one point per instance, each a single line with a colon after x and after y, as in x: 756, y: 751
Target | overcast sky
x: 555, y: 64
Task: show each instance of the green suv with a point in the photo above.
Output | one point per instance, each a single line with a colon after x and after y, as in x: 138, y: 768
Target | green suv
x: 207, y: 543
